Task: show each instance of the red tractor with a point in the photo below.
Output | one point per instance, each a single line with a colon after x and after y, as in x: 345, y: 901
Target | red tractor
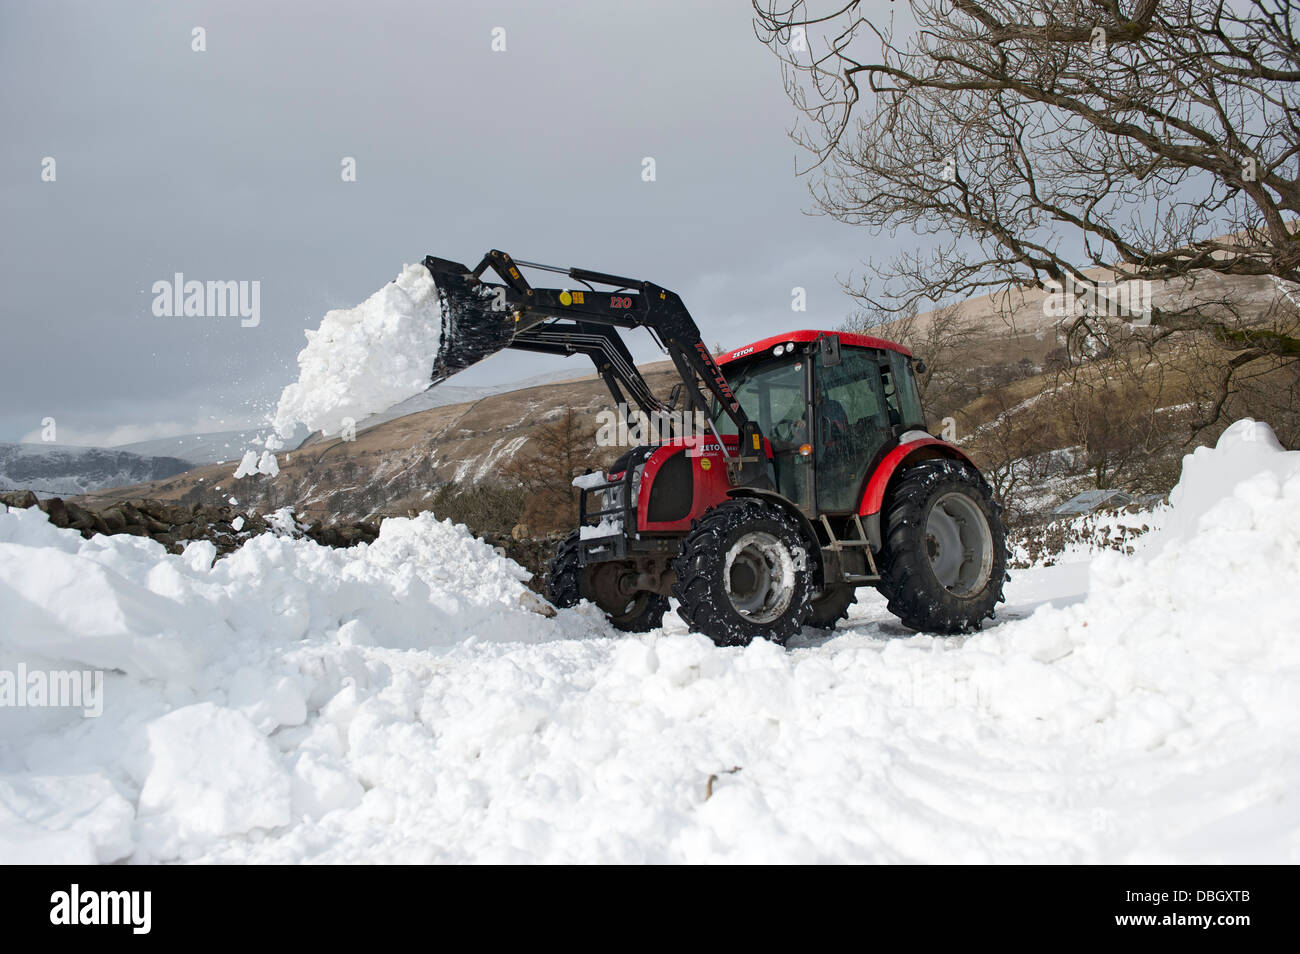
x: 815, y: 473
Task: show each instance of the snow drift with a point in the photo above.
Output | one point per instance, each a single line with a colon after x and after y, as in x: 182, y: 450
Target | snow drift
x: 397, y: 702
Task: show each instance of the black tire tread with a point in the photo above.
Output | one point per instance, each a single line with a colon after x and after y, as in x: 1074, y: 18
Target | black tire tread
x: 833, y: 606
x: 563, y: 588
x: 566, y: 587
x: 905, y: 581
x: 698, y: 563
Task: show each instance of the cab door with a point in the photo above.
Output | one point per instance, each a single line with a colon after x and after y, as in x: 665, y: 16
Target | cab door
x: 851, y: 425
x: 774, y: 394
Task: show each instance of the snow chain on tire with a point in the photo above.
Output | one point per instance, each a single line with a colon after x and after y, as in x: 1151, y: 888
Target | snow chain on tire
x: 744, y: 571
x: 940, y: 520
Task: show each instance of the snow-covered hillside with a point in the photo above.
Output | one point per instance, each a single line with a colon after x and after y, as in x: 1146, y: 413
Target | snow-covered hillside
x: 216, y: 446
x: 400, y: 702
x: 445, y: 394
x: 68, y: 469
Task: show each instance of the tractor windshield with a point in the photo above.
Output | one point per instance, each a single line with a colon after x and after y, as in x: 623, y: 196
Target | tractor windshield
x: 853, y: 422
x: 773, y: 393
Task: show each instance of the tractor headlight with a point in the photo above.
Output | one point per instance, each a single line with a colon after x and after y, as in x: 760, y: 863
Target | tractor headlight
x: 779, y: 350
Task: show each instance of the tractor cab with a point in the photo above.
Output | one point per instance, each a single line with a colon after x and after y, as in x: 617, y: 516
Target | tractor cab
x: 830, y: 405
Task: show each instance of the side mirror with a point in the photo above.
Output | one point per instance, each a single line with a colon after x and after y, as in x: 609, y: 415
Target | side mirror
x: 830, y: 350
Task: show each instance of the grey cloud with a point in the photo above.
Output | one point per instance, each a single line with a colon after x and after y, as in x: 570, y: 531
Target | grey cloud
x: 225, y: 165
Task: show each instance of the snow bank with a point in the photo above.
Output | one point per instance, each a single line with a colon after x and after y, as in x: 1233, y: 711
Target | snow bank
x: 1247, y: 450
x: 396, y: 703
x: 363, y: 360
x: 206, y: 662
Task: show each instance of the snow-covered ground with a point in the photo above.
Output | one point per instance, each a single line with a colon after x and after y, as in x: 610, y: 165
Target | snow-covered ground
x: 401, y: 702
x: 1082, y: 537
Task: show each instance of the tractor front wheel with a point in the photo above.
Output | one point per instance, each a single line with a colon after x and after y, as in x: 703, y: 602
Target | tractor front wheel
x: 743, y: 571
x: 945, y: 554
x: 609, y: 585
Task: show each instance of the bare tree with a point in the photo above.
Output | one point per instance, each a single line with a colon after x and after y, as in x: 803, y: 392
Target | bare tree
x: 942, y: 339
x: 1159, y: 141
x: 561, y: 450
x: 1011, y: 449
x: 1113, y: 412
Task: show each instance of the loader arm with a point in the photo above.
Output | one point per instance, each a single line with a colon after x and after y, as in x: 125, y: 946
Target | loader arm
x: 481, y: 318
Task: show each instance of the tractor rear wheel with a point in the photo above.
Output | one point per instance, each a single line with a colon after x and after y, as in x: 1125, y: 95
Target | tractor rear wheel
x: 945, y: 557
x: 743, y: 571
x: 832, y: 606
x: 608, y: 585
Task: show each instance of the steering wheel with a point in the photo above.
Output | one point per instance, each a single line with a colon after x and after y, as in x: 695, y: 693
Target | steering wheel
x: 784, y: 431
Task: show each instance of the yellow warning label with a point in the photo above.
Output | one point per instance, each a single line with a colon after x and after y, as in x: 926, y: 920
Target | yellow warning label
x: 566, y: 298
x: 704, y: 463
x: 757, y: 445
x: 577, y: 298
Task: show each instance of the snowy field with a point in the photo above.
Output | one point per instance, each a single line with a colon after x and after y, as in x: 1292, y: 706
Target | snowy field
x: 400, y: 702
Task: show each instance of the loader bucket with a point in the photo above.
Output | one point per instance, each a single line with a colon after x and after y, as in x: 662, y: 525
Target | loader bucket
x: 475, y: 325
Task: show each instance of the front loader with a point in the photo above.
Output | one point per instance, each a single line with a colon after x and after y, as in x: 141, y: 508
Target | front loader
x: 814, y: 474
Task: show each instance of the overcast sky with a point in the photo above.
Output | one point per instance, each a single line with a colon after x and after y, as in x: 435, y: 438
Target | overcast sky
x: 225, y: 165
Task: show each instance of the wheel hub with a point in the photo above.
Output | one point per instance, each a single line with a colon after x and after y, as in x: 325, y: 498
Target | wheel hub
x: 760, y: 575
x: 614, y: 589
x: 959, y: 544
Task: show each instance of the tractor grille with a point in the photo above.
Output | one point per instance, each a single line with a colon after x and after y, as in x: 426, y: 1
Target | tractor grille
x: 606, y: 509
x: 672, y: 493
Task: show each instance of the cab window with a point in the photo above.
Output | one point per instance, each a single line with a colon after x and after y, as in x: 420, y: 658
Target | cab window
x: 901, y: 393
x: 771, y: 392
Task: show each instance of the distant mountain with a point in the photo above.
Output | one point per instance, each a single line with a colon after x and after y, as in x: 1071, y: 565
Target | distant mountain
x: 208, y: 448
x: 65, y: 469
